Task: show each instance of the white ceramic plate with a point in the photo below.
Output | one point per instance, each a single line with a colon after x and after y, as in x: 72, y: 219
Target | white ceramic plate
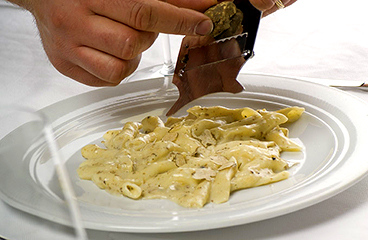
x: 333, y: 131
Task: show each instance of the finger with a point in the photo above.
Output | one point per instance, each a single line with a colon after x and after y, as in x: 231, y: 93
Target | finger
x: 79, y: 74
x: 263, y: 5
x: 104, y: 66
x: 199, y: 5
x: 115, y: 39
x: 155, y: 16
x: 267, y: 5
x: 275, y: 8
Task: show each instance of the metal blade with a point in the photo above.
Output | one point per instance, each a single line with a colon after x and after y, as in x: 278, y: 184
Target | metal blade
x: 206, y: 66
x: 213, y: 68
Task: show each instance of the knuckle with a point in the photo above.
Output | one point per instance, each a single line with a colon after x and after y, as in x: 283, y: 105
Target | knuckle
x: 117, y: 70
x: 121, y: 69
x: 135, y: 44
x: 181, y: 26
x: 58, y: 19
x: 142, y: 16
x: 129, y: 48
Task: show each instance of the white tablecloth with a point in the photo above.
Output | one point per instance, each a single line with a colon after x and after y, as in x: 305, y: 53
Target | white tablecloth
x: 312, y: 38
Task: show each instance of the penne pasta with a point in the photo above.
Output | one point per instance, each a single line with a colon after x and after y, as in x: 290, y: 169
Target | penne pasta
x: 193, y: 160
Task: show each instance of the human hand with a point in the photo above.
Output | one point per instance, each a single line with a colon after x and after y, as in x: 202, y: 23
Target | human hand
x: 268, y: 6
x: 99, y: 42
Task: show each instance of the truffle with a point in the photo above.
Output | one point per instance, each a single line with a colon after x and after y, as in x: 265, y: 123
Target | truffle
x: 226, y: 18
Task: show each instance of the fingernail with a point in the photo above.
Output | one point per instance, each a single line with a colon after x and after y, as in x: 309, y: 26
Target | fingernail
x: 204, y: 28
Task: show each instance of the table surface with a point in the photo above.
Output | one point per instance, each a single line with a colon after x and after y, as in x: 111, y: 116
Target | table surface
x: 315, y: 39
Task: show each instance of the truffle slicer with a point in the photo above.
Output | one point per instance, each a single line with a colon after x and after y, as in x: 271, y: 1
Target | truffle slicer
x: 207, y: 66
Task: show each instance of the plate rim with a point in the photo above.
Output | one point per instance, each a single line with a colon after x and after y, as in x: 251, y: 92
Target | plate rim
x: 343, y: 185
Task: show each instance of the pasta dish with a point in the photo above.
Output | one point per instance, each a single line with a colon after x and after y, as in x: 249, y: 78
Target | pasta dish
x: 195, y: 159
